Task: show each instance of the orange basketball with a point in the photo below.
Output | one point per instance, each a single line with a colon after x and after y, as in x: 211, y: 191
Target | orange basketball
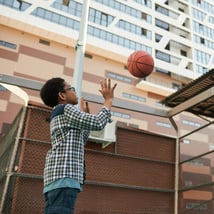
x: 140, y: 64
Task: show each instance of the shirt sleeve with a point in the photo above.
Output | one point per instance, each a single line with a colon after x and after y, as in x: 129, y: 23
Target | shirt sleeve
x: 77, y: 119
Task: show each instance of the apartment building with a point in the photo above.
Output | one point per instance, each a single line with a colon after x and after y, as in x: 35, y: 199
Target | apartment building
x: 39, y: 38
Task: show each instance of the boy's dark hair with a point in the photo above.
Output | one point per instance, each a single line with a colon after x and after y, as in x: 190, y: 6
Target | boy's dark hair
x: 50, y: 91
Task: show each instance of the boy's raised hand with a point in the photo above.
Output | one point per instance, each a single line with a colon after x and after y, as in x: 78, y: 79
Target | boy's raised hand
x: 107, y: 91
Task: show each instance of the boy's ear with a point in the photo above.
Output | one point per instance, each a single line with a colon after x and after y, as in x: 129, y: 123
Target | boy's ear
x: 61, y: 96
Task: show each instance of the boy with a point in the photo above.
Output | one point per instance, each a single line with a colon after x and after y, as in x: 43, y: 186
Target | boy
x: 64, y: 171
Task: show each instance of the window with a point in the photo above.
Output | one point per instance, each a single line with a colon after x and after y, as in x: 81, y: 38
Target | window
x: 162, y: 124
x: 191, y: 123
x: 183, y: 53
x: 188, y: 183
x: 202, y: 41
x: 118, y: 40
x: 99, y: 17
x: 44, y: 42
x: 88, y: 56
x: 158, y: 37
x: 116, y: 5
x: 161, y: 10
x: 56, y: 18
x: 134, y: 97
x: 202, y: 56
x: 144, y: 16
x: 16, y: 4
x: 119, y: 77
x: 186, y: 141
x: 7, y: 44
x: 195, y: 163
x: 73, y: 8
x: 162, y: 56
x: 196, y: 206
x: 203, y: 30
x: 201, y: 69
x: 176, y: 86
x: 181, y: 10
x: 121, y: 115
x: 148, y: 3
x: 167, y: 46
x: 162, y: 24
x: 163, y: 71
x: 135, y: 29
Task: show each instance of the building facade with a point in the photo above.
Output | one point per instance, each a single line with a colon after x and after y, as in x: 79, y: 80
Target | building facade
x: 38, y: 39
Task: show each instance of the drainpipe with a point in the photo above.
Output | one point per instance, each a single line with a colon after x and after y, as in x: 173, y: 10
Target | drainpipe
x: 23, y: 95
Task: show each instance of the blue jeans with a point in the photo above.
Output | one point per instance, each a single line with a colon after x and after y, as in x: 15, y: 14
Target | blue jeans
x: 60, y: 201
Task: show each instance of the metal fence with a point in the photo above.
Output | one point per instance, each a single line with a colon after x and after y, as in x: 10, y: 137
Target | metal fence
x: 197, y: 172
x: 8, y: 148
x: 122, y: 178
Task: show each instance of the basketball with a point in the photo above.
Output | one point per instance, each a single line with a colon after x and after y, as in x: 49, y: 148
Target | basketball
x: 140, y: 64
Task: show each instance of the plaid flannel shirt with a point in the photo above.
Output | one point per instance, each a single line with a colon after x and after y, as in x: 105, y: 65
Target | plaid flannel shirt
x: 69, y: 132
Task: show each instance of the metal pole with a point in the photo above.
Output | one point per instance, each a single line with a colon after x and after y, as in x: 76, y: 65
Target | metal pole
x: 177, y: 155
x: 80, y: 49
